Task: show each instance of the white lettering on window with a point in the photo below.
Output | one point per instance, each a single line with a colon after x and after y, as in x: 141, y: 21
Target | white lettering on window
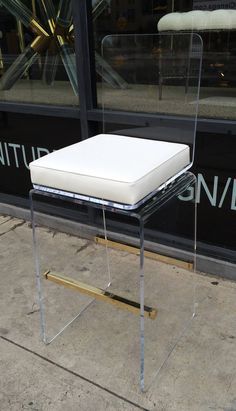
x: 42, y: 151
x: 202, y: 184
x: 15, y: 147
x: 18, y: 156
x: 2, y: 155
x: 233, y: 199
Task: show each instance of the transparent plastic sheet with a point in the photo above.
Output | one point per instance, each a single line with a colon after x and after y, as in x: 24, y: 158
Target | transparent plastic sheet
x: 75, y: 257
x: 102, y: 335
x: 138, y: 343
x: 120, y: 345
x: 161, y: 74
x: 161, y: 78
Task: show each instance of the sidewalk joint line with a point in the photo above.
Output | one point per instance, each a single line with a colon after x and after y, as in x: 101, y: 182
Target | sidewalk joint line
x: 74, y: 373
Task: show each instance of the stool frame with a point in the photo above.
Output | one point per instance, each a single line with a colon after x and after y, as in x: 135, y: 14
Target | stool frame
x: 141, y: 215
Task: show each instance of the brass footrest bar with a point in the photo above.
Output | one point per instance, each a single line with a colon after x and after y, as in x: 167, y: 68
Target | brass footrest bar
x: 149, y: 254
x: 100, y: 294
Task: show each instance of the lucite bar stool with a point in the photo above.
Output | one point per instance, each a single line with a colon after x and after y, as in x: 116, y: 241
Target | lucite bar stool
x: 129, y: 177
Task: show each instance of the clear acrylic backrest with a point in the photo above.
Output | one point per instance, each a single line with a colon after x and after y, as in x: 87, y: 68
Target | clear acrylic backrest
x: 156, y: 78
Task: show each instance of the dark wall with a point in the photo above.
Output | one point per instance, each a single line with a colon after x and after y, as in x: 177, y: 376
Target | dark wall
x: 24, y: 138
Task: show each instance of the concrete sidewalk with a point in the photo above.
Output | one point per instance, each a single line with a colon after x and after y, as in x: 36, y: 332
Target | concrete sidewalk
x: 92, y: 366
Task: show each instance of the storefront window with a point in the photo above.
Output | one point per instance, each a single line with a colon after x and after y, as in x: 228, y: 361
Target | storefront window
x: 215, y: 24
x: 37, y: 58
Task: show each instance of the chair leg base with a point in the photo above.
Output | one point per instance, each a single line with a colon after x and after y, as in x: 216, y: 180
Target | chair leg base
x: 100, y: 294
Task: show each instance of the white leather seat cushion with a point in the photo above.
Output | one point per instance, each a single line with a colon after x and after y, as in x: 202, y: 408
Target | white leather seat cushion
x: 198, y: 20
x: 111, y: 167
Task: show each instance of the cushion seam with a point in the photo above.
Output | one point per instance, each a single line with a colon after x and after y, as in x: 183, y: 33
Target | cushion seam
x: 109, y: 179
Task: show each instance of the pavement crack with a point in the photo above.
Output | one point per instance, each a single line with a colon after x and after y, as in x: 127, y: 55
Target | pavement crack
x: 6, y: 221
x: 13, y: 228
x: 83, y: 247
x: 33, y: 311
x: 75, y: 374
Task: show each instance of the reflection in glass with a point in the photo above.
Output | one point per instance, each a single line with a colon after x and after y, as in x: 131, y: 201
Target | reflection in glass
x: 219, y: 58
x: 68, y: 57
x: 56, y: 42
x: 19, y: 66
x: 22, y: 13
x: 48, y: 12
x: 64, y: 15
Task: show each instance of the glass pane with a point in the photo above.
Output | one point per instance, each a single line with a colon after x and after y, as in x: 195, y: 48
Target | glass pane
x: 215, y: 24
x: 37, y: 57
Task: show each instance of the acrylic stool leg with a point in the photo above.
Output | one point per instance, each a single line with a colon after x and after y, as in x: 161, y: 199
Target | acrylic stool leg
x: 37, y: 271
x: 141, y: 279
x: 39, y: 279
x: 107, y: 250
